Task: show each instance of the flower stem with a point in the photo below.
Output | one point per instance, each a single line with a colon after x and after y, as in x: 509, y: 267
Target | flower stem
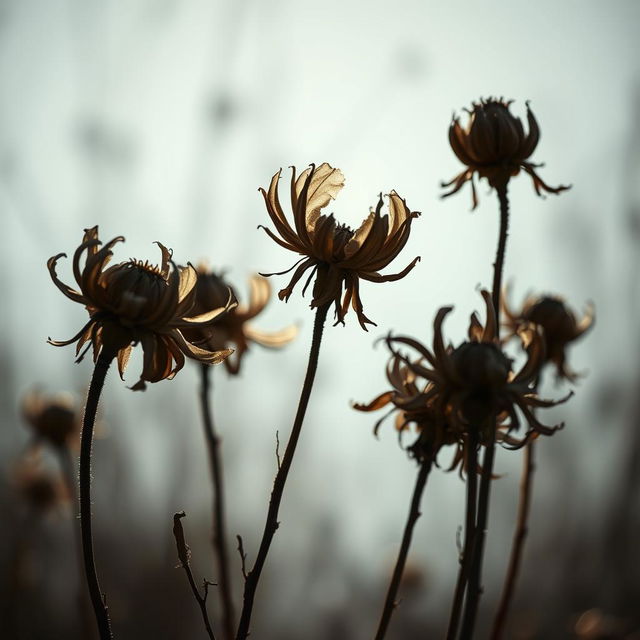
x: 97, y: 600
x: 474, y: 587
x: 414, y: 513
x: 469, y: 532
x: 271, y: 525
x: 520, y: 533
x: 71, y: 479
x: 219, y: 529
x: 502, y: 244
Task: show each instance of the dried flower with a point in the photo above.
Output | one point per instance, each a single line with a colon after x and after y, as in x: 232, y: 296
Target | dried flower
x: 494, y: 146
x: 558, y: 324
x: 233, y: 329
x: 337, y: 255
x: 474, y: 384
x: 52, y: 418
x: 134, y: 302
x: 412, y: 401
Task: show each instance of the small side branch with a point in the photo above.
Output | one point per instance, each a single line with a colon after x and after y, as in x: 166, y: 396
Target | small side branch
x: 184, y: 555
x: 243, y: 557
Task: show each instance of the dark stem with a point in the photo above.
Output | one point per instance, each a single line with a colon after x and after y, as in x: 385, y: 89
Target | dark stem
x: 474, y: 587
x: 220, y: 545
x: 184, y: 554
x: 469, y: 532
x: 414, y: 513
x: 97, y: 600
x: 519, y: 536
x: 271, y: 525
x: 502, y: 244
x: 71, y: 480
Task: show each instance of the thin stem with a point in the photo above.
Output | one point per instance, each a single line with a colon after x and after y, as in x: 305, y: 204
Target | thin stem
x: 184, y: 555
x: 474, y: 588
x: 71, y: 480
x: 97, y: 600
x: 469, y: 532
x: 271, y: 525
x: 502, y: 244
x: 220, y: 545
x: 414, y: 513
x: 519, y: 536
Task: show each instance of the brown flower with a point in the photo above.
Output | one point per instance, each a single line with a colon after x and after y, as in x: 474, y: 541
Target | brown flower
x: 233, y: 328
x: 494, y: 146
x: 558, y: 324
x: 412, y: 401
x: 52, y: 418
x: 337, y: 255
x: 474, y: 384
x: 134, y: 302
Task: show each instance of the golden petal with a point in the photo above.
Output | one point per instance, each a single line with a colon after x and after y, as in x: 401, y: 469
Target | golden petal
x: 324, y: 186
x: 273, y: 339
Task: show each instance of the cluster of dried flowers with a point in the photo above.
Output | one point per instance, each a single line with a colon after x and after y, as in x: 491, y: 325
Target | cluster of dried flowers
x: 468, y: 396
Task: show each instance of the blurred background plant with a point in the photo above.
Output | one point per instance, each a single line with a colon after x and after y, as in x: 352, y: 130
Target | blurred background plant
x: 159, y: 120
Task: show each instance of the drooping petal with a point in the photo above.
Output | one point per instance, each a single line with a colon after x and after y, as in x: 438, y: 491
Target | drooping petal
x: 67, y: 290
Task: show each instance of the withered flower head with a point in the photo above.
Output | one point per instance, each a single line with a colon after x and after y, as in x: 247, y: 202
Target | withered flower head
x: 52, y: 418
x: 494, y: 146
x: 558, y: 324
x: 134, y: 302
x: 336, y: 254
x: 474, y: 384
x: 234, y: 328
x: 412, y: 401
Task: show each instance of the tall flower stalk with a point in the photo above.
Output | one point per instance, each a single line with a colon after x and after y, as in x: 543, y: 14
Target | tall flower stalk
x: 559, y: 327
x: 339, y: 258
x: 129, y: 303
x: 493, y: 146
x: 271, y: 525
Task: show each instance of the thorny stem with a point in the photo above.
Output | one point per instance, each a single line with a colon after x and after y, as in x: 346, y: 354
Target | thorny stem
x: 97, y: 600
x: 271, y: 525
x: 469, y: 532
x: 414, y: 513
x: 519, y: 535
x: 184, y: 554
x: 71, y: 478
x: 219, y: 529
x: 474, y: 587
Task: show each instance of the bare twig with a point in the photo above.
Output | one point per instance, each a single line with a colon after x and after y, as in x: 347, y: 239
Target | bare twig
x: 278, y: 449
x: 243, y: 557
x: 184, y: 555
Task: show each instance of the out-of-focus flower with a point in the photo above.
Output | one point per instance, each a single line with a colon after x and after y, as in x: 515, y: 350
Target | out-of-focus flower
x: 41, y: 489
x: 495, y: 146
x: 558, y: 324
x: 474, y: 384
x: 52, y: 418
x: 337, y: 255
x: 134, y: 302
x: 234, y: 328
